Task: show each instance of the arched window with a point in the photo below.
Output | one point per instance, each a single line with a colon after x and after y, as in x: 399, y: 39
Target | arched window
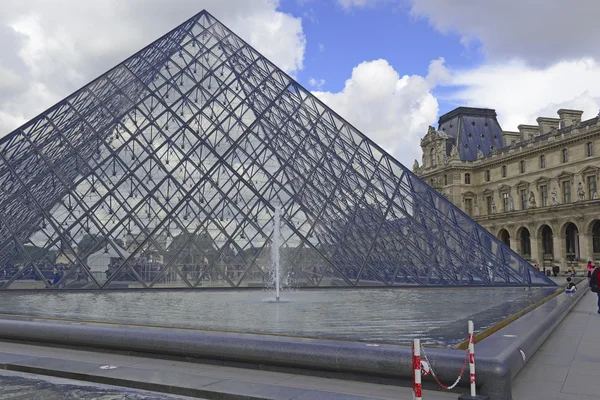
x: 504, y: 237
x: 467, y: 179
x: 596, y: 237
x: 432, y: 158
x: 525, y: 242
x: 572, y: 242
x: 547, y: 247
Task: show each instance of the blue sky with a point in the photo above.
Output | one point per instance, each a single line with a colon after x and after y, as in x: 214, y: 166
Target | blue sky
x: 339, y: 39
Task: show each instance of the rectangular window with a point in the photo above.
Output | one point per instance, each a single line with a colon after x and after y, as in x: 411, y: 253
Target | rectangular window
x: 567, y: 192
x: 591, y: 184
x: 504, y: 171
x: 445, y: 180
x: 522, y: 167
x: 524, y: 199
x: 590, y: 149
x: 487, y: 175
x: 469, y: 207
x: 505, y: 201
x: 467, y: 179
x: 544, y: 195
x: 488, y: 204
x: 565, y: 155
x: 542, y: 161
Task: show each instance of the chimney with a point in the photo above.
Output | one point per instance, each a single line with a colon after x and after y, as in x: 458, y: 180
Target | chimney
x: 528, y: 131
x: 547, y: 124
x: 569, y: 117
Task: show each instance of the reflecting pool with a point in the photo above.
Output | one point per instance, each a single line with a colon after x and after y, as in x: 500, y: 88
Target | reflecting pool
x: 437, y: 316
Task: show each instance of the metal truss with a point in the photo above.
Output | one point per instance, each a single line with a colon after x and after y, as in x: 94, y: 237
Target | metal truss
x: 165, y: 171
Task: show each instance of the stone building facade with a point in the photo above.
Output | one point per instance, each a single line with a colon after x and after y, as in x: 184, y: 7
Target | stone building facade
x: 535, y: 189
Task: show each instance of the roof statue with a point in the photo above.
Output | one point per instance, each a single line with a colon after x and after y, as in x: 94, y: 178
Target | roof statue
x: 169, y: 167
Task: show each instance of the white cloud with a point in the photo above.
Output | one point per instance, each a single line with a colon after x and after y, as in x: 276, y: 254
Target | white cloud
x: 521, y: 93
x: 48, y: 49
x: 316, y: 83
x: 321, y: 47
x: 541, y: 32
x: 394, y: 111
x: 348, y: 4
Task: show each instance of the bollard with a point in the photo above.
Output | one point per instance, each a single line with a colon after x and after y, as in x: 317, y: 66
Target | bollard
x: 473, y: 395
x: 417, y: 389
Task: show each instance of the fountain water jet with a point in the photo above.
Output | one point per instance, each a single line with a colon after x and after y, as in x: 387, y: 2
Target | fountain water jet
x: 275, y: 249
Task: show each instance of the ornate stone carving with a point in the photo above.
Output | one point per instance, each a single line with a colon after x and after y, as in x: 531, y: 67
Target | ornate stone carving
x: 416, y: 168
x: 580, y: 192
x: 479, y: 154
x: 554, y: 196
x: 595, y: 195
x: 532, y: 200
x: 454, y: 152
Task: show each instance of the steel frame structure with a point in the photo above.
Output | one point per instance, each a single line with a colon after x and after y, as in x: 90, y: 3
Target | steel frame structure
x: 165, y: 171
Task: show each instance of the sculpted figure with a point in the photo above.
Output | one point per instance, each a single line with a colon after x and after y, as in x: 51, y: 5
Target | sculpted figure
x: 453, y: 152
x: 532, y: 200
x: 580, y: 192
x: 416, y: 168
x: 554, y: 196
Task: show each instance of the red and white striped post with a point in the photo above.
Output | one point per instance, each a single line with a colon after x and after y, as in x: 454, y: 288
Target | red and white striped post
x: 472, y: 358
x: 417, y: 389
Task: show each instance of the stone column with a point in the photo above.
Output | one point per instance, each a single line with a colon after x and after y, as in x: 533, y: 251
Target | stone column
x: 585, y: 248
x: 558, y: 246
x: 536, y: 256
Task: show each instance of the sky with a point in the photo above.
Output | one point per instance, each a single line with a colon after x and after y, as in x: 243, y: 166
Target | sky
x: 389, y: 67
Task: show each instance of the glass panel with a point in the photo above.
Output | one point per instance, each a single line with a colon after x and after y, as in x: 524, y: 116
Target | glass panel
x: 166, y: 171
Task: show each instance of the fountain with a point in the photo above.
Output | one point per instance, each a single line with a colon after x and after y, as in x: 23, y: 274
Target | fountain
x: 275, y: 249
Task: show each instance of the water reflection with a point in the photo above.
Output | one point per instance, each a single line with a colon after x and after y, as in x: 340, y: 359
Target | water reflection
x: 381, y: 315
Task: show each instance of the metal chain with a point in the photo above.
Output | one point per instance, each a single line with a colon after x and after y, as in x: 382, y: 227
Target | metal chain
x: 436, y: 378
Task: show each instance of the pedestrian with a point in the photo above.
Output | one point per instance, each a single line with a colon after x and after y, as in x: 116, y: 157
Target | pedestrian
x: 571, y: 288
x: 594, y: 285
x: 590, y: 269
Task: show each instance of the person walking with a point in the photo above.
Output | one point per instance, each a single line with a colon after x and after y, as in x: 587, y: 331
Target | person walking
x: 590, y: 269
x: 594, y: 284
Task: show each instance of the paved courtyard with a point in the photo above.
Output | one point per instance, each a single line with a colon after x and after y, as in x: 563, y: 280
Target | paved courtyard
x: 567, y: 365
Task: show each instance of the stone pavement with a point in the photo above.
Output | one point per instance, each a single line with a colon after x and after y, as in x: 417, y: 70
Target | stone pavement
x: 567, y: 365
x: 191, y: 379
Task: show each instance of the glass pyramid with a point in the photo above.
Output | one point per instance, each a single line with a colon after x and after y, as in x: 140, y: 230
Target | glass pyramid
x: 166, y: 171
